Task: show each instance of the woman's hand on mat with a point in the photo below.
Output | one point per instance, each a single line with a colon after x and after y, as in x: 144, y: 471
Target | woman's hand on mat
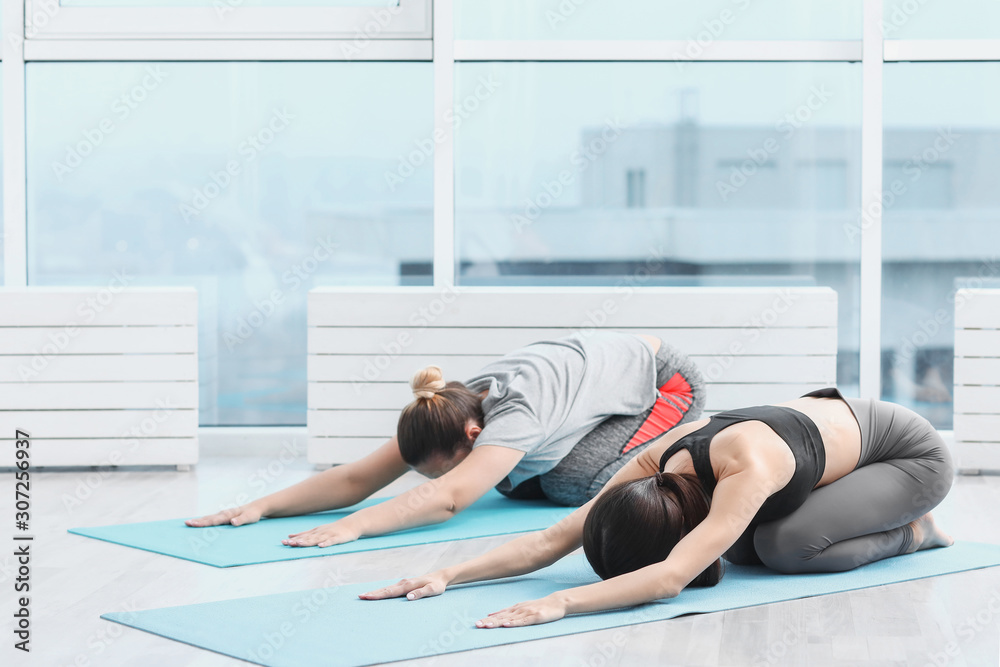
x: 535, y: 612
x: 324, y: 536
x: 236, y: 516
x: 426, y: 586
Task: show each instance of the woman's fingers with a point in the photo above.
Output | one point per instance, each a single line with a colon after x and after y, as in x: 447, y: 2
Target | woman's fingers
x: 306, y: 539
x: 413, y: 589
x: 425, y: 591
x: 216, y: 519
x: 504, y: 619
x: 315, y: 538
x: 493, y: 620
x: 237, y: 516
x: 242, y: 518
x: 393, y: 591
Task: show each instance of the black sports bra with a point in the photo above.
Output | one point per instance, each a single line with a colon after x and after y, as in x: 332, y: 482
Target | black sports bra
x: 797, y: 430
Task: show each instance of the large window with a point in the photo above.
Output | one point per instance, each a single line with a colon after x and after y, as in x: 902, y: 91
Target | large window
x: 941, y: 220
x: 254, y: 148
x: 250, y: 181
x: 712, y: 174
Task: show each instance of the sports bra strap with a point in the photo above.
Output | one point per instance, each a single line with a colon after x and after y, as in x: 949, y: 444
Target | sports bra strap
x: 797, y: 430
x: 697, y: 443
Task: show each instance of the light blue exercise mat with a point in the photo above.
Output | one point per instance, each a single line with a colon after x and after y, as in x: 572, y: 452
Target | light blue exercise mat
x: 334, y: 627
x: 226, y: 546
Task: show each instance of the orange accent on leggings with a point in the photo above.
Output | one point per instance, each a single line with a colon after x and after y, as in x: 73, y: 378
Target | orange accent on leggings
x: 666, y: 414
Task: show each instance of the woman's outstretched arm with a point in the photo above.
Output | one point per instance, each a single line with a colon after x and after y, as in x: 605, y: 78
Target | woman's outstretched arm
x: 340, y: 486
x: 434, y: 501
x: 522, y: 555
x: 519, y: 556
x: 735, y: 502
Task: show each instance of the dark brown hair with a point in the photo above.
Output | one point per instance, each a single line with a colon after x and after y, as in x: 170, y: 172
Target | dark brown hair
x: 638, y: 523
x: 434, y: 423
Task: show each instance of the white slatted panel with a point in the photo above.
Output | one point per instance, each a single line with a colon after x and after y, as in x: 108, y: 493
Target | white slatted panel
x: 729, y: 369
x: 101, y: 376
x: 501, y: 340
x: 113, y: 451
x: 977, y: 378
x: 755, y: 345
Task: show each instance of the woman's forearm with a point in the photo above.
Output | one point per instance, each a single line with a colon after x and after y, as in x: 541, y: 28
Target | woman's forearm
x: 424, y: 505
x: 330, y: 489
x: 519, y: 556
x: 627, y: 590
x: 340, y: 486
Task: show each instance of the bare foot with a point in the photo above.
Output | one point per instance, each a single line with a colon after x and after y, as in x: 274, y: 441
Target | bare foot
x: 927, y: 535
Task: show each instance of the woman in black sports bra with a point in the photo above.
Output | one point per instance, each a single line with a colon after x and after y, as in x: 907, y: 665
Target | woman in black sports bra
x: 818, y: 484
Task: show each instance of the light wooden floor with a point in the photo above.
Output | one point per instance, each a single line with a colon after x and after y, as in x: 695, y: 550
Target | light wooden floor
x: 76, y: 579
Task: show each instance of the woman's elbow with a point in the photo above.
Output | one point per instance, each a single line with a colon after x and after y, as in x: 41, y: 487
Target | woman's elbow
x: 445, y: 507
x: 666, y: 591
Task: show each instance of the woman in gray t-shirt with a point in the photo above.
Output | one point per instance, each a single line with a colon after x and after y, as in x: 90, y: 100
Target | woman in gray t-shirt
x: 555, y: 419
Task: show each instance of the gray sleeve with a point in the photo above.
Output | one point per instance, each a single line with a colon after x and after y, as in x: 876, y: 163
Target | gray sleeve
x: 512, y: 426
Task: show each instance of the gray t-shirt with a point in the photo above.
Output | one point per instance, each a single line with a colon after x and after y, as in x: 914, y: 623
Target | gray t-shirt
x: 545, y: 397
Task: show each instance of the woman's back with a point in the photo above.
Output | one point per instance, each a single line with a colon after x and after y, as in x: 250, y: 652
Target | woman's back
x: 833, y: 418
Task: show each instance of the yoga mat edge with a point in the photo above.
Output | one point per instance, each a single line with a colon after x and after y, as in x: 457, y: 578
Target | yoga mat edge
x: 352, y: 621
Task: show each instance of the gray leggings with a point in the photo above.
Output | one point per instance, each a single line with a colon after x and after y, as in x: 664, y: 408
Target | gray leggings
x: 584, y: 471
x: 904, y: 471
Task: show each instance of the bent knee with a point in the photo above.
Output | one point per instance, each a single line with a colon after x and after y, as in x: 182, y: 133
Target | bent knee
x: 783, y: 548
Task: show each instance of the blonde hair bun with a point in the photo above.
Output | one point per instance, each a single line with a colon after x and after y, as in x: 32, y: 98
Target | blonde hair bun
x: 428, y: 382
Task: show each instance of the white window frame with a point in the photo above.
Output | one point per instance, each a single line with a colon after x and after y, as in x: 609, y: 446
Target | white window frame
x: 228, y: 19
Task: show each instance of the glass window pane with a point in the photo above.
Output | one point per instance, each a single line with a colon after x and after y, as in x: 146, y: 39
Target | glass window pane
x: 709, y: 174
x: 955, y: 19
x: 235, y: 178
x: 699, y: 23
x: 941, y: 221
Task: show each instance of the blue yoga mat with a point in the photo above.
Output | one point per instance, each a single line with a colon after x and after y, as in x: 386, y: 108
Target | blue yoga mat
x: 294, y: 628
x: 226, y: 546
